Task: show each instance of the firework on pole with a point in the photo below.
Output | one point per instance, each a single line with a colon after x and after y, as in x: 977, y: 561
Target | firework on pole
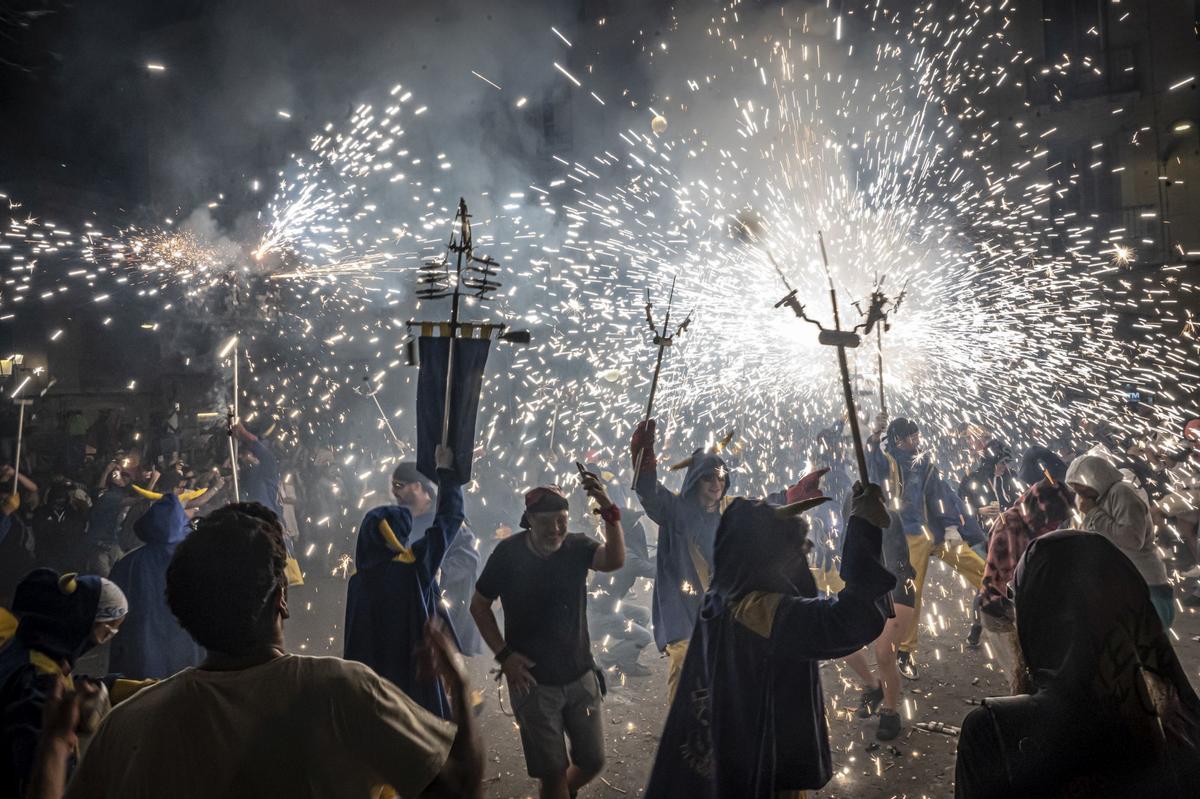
x: 662, y: 339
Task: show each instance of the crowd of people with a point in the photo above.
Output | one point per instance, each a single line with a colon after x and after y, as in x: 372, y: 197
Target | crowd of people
x: 1077, y: 554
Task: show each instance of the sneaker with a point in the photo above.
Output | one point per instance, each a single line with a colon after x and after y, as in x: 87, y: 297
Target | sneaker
x: 974, y: 635
x: 869, y: 702
x: 889, y: 725
x: 908, y: 669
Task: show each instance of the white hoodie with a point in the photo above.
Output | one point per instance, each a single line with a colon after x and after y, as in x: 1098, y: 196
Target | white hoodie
x: 1121, y: 515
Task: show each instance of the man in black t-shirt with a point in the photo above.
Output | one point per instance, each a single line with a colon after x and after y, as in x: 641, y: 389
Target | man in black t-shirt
x: 540, y: 577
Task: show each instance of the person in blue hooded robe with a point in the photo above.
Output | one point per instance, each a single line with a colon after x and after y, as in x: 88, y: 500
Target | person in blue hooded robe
x: 60, y: 617
x: 152, y: 644
x: 748, y: 720
x: 394, y: 590
x: 460, y: 567
x: 687, y: 525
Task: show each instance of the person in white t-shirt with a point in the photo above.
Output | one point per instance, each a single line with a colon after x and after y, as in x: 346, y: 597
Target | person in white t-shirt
x: 253, y: 720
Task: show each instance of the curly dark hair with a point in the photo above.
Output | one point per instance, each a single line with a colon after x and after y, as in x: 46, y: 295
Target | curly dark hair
x: 224, y: 575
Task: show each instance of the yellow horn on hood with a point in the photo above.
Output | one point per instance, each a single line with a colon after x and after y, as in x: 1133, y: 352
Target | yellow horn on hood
x: 723, y: 443
x: 404, y: 554
x: 145, y: 492
x: 184, y: 497
x: 683, y: 464
x: 715, y: 449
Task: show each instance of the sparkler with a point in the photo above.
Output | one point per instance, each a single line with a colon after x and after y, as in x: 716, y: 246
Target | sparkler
x: 904, y: 174
x: 233, y: 419
x: 882, y: 325
x: 840, y: 339
x: 365, y: 390
x: 20, y: 437
x: 662, y: 340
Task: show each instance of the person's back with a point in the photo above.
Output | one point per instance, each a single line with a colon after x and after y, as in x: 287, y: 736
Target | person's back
x: 294, y: 726
x: 254, y: 721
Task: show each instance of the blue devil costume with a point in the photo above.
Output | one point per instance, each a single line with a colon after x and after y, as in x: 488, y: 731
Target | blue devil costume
x: 151, y: 643
x: 748, y: 720
x: 685, y: 545
x: 394, y: 591
x: 56, y: 616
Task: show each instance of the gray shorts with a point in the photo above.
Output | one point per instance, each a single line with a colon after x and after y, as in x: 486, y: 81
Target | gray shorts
x: 548, y: 713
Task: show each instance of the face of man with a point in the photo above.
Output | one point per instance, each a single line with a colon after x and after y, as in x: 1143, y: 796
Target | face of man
x: 410, y: 495
x: 105, y: 631
x: 910, y: 443
x: 547, y: 530
x: 712, y: 487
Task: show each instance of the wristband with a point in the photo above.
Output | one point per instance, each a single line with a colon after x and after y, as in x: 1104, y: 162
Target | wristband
x: 611, y: 514
x: 503, y: 655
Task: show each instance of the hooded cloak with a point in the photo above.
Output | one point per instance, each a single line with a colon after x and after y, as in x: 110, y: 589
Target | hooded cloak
x: 394, y: 592
x: 686, y: 534
x: 1112, y: 713
x: 748, y: 719
x: 152, y: 645
x: 55, y: 614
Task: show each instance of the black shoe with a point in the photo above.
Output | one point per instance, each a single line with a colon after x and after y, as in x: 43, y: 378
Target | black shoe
x: 974, y: 635
x: 889, y: 725
x: 908, y: 669
x: 869, y: 702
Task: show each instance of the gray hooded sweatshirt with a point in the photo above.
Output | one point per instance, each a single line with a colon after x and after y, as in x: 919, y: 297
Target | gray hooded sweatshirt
x: 1120, y: 515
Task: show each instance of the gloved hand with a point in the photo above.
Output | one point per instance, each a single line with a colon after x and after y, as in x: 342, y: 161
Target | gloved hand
x: 642, y: 442
x: 867, y: 504
x: 952, y: 537
x: 808, y: 487
x: 881, y: 420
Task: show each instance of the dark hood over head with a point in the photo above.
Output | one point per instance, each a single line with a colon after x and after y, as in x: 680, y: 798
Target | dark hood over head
x: 759, y: 551
x: 164, y: 522
x: 375, y: 546
x: 1040, y: 461
x: 56, y: 612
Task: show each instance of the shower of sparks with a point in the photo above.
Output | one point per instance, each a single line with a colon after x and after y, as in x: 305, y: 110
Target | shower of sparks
x: 876, y: 128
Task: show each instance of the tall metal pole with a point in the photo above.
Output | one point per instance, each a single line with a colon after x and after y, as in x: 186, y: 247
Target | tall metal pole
x: 232, y: 422
x: 879, y: 359
x: 20, y: 435
x: 662, y: 346
x: 851, y: 410
x: 464, y: 245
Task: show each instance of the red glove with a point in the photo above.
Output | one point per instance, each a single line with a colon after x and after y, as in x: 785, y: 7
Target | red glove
x: 642, y: 442
x: 809, y: 487
x: 241, y: 432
